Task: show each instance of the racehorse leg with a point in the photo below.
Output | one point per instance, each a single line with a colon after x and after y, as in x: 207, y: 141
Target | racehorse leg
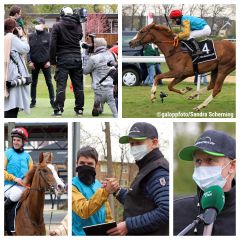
x: 174, y: 82
x: 157, y: 78
x: 196, y: 93
x: 178, y: 77
x: 204, y: 104
x: 217, y: 89
x: 186, y: 90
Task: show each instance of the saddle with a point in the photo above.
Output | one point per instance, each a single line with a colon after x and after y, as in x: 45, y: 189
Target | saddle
x: 10, y: 213
x: 206, y: 46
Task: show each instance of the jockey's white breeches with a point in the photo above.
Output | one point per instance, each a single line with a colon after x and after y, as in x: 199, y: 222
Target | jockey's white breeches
x: 206, y: 31
x: 14, y: 193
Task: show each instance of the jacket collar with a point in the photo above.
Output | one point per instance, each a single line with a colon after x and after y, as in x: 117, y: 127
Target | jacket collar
x: 150, y: 157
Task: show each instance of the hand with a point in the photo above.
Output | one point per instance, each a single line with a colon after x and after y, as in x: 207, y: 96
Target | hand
x: 19, y: 181
x: 31, y: 65
x: 53, y: 233
x: 111, y: 185
x: 119, y: 230
x: 20, y: 31
x: 176, y: 37
x: 47, y: 65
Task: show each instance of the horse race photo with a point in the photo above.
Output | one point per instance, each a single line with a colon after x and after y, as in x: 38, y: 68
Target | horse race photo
x: 179, y: 60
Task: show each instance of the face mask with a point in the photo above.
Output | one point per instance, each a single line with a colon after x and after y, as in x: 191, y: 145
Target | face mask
x: 86, y: 174
x: 209, y: 176
x: 39, y: 27
x: 138, y: 152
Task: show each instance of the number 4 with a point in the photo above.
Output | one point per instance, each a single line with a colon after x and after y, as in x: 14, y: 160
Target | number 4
x: 205, y: 48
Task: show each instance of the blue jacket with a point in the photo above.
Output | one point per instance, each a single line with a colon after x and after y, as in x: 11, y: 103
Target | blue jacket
x: 195, y: 22
x: 99, y: 217
x: 17, y: 163
x: 155, y: 187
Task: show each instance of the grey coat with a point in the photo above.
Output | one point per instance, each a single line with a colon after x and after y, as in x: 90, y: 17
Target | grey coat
x: 96, y: 64
x: 18, y: 96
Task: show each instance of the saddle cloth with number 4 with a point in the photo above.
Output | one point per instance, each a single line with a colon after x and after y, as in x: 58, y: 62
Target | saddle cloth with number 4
x: 206, y: 46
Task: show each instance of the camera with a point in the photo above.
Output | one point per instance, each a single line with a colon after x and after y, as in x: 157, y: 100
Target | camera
x: 80, y: 14
x: 87, y: 46
x: 19, y: 82
x: 162, y: 96
x: 113, y: 73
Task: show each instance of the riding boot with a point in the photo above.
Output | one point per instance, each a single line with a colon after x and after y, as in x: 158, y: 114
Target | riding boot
x: 8, y: 202
x: 196, y: 49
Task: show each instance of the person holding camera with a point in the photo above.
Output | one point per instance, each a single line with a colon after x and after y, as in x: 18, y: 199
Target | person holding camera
x: 38, y: 59
x: 65, y: 54
x: 16, y: 76
x: 15, y: 13
x: 97, y: 64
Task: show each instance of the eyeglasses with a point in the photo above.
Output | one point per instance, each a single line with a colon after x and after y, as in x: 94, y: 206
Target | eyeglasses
x: 17, y: 131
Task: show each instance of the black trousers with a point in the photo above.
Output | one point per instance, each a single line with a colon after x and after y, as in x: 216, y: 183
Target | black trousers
x: 12, y: 113
x: 73, y: 68
x: 48, y: 80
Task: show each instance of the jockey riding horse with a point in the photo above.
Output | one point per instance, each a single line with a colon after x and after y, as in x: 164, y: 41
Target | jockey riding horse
x: 193, y: 27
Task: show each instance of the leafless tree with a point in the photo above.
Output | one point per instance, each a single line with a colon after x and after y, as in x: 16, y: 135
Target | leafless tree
x: 204, y: 10
x: 192, y: 9
x: 167, y: 8
x: 217, y: 10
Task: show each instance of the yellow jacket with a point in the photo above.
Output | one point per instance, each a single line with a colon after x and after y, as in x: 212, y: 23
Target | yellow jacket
x: 85, y: 208
x: 186, y: 30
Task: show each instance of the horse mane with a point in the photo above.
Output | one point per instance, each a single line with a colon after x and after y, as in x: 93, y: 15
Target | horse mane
x: 30, y: 175
x: 24, y: 195
x: 162, y: 28
x: 28, y: 181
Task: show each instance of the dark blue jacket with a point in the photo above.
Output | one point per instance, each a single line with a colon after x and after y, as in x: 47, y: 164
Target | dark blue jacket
x: 155, y: 188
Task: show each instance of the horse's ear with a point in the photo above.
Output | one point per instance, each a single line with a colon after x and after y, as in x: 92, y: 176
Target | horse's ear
x: 49, y: 157
x: 152, y: 24
x: 42, y: 160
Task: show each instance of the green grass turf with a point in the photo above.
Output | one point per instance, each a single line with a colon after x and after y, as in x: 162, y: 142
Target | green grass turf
x: 44, y: 110
x: 136, y: 102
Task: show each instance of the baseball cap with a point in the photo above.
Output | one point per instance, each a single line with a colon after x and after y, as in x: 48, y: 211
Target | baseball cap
x: 140, y: 131
x: 215, y: 143
x: 39, y: 21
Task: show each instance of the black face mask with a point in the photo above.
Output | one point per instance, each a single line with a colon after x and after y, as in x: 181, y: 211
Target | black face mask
x: 178, y: 21
x: 86, y: 174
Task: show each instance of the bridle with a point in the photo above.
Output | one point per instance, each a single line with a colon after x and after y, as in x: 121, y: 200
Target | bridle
x: 174, y: 42
x: 41, y: 189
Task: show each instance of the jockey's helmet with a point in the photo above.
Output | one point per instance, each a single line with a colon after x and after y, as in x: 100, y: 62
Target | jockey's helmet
x: 175, y: 14
x: 20, y: 132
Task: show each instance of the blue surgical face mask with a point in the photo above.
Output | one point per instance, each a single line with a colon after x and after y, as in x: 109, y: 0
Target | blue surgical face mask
x: 209, y: 176
x: 139, y: 151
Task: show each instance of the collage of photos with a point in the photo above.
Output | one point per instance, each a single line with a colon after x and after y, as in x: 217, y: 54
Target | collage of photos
x: 160, y: 161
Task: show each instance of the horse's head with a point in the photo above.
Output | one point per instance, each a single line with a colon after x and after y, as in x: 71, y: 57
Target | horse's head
x: 148, y: 35
x: 49, y: 173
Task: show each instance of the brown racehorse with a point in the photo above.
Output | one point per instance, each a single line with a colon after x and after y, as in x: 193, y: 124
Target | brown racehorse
x: 180, y: 63
x: 41, y: 177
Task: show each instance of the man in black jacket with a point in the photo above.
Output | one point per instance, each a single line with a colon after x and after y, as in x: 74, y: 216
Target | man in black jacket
x: 38, y: 59
x: 214, y: 157
x: 65, y: 54
x: 146, y: 202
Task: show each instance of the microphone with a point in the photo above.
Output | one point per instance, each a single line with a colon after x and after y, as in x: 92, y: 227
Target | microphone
x: 212, y: 203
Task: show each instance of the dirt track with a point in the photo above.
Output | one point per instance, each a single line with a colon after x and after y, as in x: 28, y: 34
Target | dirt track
x: 229, y: 79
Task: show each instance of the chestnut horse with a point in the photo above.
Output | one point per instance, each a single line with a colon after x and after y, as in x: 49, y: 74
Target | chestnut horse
x: 41, y: 177
x: 180, y: 63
